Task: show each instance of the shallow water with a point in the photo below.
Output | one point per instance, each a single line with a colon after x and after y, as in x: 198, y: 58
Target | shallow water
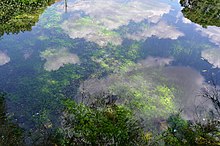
x: 93, y: 39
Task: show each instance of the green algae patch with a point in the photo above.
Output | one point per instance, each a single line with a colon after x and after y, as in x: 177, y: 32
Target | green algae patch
x: 144, y: 90
x: 117, y: 58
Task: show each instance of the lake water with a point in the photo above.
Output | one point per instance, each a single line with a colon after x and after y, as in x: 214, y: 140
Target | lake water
x: 103, y: 43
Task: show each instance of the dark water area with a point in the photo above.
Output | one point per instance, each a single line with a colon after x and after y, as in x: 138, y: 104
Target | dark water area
x: 100, y: 39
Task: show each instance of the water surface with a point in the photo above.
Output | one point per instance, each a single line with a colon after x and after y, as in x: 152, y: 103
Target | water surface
x: 107, y: 45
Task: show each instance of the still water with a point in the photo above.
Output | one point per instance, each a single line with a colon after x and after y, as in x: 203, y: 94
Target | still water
x: 106, y: 45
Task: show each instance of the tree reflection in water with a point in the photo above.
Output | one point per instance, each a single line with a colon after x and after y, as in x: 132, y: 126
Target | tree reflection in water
x: 10, y: 133
x: 203, y: 12
x: 20, y: 15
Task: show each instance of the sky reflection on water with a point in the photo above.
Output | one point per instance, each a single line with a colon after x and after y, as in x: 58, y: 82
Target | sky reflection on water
x: 48, y: 59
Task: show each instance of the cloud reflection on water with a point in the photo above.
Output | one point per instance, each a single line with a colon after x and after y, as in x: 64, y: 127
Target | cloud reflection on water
x: 4, y: 58
x: 212, y: 32
x: 113, y: 13
x: 90, y: 30
x: 147, y: 76
x: 161, y: 30
x: 104, y: 19
x: 212, y: 56
x: 58, y: 58
x: 155, y: 61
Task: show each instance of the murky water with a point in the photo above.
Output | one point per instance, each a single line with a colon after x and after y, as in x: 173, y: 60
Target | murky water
x: 109, y: 45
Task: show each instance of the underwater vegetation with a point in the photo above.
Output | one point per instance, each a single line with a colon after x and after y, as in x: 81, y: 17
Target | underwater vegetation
x: 10, y: 133
x: 103, y: 73
x: 114, y: 58
x: 151, y: 89
x: 103, y: 121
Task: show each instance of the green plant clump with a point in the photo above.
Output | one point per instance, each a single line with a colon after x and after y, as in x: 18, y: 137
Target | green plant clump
x: 203, y: 12
x: 20, y: 15
x: 108, y: 124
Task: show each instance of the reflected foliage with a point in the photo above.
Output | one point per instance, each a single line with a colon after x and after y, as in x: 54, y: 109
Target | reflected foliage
x: 10, y: 133
x: 203, y: 12
x: 20, y: 15
x: 100, y: 123
x: 204, y: 130
x: 182, y: 132
x: 104, y: 124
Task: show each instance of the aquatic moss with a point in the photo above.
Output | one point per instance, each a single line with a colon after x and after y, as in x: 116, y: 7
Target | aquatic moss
x: 115, y: 58
x: 107, y: 32
x: 166, y: 97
